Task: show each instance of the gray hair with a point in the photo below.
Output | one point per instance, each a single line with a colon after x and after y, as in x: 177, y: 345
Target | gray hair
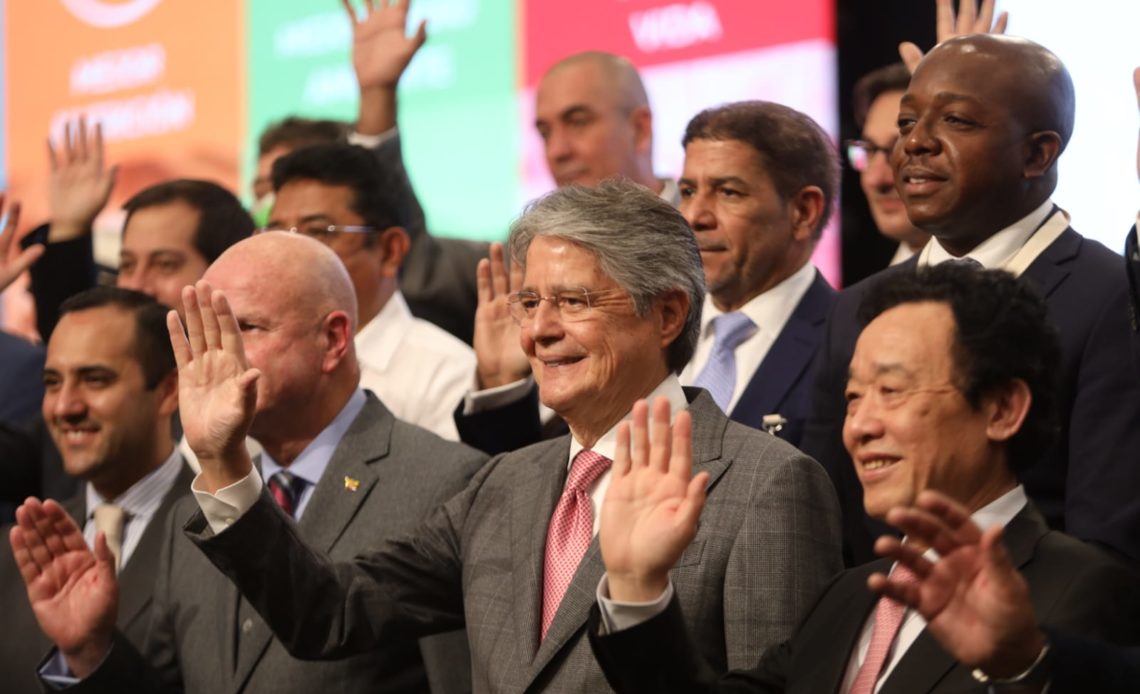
x: 640, y: 241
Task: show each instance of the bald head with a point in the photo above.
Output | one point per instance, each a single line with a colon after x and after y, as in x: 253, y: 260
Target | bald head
x: 1035, y: 84
x: 614, y: 74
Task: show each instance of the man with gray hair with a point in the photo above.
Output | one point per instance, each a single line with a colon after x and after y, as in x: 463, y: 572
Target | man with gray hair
x: 609, y: 310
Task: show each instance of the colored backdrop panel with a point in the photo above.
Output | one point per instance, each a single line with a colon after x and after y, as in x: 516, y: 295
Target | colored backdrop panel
x: 163, y: 77
x: 457, y: 99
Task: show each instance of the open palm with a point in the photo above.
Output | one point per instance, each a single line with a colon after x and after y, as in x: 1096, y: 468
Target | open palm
x: 381, y: 50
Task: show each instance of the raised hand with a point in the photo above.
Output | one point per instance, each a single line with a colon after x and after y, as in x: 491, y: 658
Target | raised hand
x: 381, y: 51
x: 969, y: 20
x: 217, y: 389
x: 14, y: 261
x: 499, y: 356
x: 975, y: 602
x: 72, y: 590
x: 1136, y: 83
x: 651, y: 508
x: 80, y: 183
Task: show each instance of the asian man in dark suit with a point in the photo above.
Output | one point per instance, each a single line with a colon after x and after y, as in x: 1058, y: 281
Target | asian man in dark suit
x: 951, y: 388
x: 512, y: 558
x: 336, y: 461
x: 758, y: 187
x: 982, y: 125
x: 111, y: 390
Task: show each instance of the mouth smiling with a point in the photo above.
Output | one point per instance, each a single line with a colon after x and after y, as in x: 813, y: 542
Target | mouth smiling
x: 918, y: 181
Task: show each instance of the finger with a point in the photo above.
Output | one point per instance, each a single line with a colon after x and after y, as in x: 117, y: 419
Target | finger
x: 956, y: 516
x: 13, y: 220
x: 193, y: 321
x: 104, y: 557
x: 247, y: 382
x: 500, y: 283
x: 420, y: 36
x: 53, y: 158
x: 931, y: 531
x: 516, y: 275
x: 944, y: 20
x: 29, y: 521
x: 660, y: 437
x: 64, y: 525
x: 81, y: 139
x: 29, y: 569
x: 904, y: 553
x: 1002, y: 23
x: 68, y: 143
x: 621, y: 464
x: 211, y: 330
x: 910, y: 54
x: 908, y: 594
x: 967, y: 17
x: 351, y: 11
x: 98, y: 146
x: 231, y: 334
x: 178, y: 339
x: 689, y: 511
x: 483, y: 282
x: 1136, y: 83
x: 53, y: 524
x: 985, y: 17
x: 995, y: 554
x: 681, y: 460
x: 639, y: 435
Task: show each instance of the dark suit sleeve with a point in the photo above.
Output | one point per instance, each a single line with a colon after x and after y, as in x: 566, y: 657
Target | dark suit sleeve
x: 65, y: 269
x: 659, y: 657
x: 124, y: 670
x: 501, y: 429
x: 21, y: 379
x: 1079, y: 665
x: 319, y: 609
x: 1132, y: 258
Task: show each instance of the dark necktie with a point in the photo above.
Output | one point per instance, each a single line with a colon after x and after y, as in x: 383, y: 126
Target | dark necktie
x: 286, y: 490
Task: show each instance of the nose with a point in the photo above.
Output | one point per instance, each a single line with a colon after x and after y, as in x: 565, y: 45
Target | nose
x: 65, y: 401
x: 546, y: 325
x: 698, y: 212
x: 919, y: 139
x: 558, y: 145
x: 879, y: 175
x: 862, y: 423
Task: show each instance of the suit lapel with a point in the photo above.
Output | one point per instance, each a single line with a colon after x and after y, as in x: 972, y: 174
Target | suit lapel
x: 540, y: 486
x: 136, y: 580
x: 709, y: 424
x: 334, y: 503
x: 1052, y: 266
x: 790, y: 354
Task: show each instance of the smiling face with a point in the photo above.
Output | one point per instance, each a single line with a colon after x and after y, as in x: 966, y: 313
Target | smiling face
x: 587, y: 134
x: 590, y: 370
x: 109, y: 428
x: 960, y: 164
x: 158, y: 257
x: 878, y: 179
x: 908, y: 426
x: 748, y: 239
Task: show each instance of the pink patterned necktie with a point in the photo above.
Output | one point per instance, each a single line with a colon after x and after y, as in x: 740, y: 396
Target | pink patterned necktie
x: 888, y: 619
x: 571, y: 531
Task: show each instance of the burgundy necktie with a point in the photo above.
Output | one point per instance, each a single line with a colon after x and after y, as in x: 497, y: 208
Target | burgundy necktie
x: 571, y: 531
x: 286, y: 489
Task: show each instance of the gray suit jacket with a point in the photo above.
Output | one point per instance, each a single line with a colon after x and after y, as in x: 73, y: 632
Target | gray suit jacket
x: 768, y: 542
x: 205, y: 638
x: 22, y: 644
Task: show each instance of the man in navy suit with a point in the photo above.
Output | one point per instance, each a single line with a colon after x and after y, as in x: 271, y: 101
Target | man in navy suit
x: 758, y: 187
x: 981, y: 128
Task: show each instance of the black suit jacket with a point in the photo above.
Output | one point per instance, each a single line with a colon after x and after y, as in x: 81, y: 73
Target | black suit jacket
x: 1087, y: 485
x: 21, y: 379
x: 204, y: 638
x: 780, y: 385
x: 1073, y: 586
x: 23, y: 644
x: 1078, y: 665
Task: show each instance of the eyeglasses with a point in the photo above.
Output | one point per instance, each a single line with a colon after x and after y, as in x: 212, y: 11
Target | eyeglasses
x: 325, y: 233
x: 860, y: 152
x: 571, y: 304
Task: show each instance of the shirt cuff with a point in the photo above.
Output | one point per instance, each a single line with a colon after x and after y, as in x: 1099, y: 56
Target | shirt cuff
x: 228, y: 504
x: 372, y: 141
x: 57, y: 675
x: 617, y: 616
x: 475, y: 401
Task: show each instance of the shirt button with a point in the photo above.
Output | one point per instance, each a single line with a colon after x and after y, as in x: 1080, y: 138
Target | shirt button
x: 247, y: 626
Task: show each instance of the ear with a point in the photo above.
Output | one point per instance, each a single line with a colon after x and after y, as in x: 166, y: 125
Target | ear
x: 337, y: 332
x: 1043, y: 149
x: 805, y: 209
x: 641, y: 118
x: 1006, y: 409
x: 394, y: 244
x: 167, y: 390
x: 674, y: 309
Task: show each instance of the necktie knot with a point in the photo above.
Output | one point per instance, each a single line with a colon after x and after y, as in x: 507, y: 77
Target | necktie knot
x: 109, y: 520
x: 731, y: 329
x: 285, y: 487
x: 587, y: 467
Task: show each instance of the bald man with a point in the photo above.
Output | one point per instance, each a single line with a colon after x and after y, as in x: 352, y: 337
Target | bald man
x: 336, y: 461
x: 982, y: 125
x: 593, y: 116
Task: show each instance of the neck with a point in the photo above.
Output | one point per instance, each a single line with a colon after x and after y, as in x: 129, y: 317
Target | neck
x: 726, y: 302
x: 290, y: 436
x: 127, y: 472
x: 605, y: 413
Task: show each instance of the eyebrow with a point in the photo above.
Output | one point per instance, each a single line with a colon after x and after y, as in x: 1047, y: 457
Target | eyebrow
x: 84, y: 370
x: 568, y: 112
x: 887, y: 368
x: 942, y: 98
x: 317, y: 217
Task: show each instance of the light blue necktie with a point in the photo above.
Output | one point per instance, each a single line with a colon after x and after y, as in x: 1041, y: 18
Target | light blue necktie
x: 719, y: 374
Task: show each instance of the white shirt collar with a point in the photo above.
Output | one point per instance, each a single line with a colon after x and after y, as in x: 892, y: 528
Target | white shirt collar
x: 1000, y: 511
x: 997, y: 249
x: 607, y: 444
x: 311, y: 463
x: 377, y: 340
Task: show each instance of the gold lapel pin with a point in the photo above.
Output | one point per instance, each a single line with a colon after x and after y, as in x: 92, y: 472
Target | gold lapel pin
x: 351, y: 484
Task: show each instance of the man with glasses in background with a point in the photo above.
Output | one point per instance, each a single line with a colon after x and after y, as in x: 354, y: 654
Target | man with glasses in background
x: 335, y: 193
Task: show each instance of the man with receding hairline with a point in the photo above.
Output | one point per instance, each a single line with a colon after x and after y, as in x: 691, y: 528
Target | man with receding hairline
x: 981, y: 127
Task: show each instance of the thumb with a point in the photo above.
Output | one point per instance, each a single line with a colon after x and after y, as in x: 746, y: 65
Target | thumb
x: 104, y: 558
x: 420, y: 36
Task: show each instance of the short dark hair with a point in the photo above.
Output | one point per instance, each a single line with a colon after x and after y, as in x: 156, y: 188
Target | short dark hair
x: 294, y: 131
x: 889, y: 78
x: 222, y: 221
x: 795, y: 151
x: 1002, y: 333
x: 152, y: 340
x: 338, y: 164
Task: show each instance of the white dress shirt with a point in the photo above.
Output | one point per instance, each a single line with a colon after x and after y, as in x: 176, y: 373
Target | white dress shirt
x: 769, y: 312
x: 419, y: 371
x: 140, y: 502
x: 995, y: 251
